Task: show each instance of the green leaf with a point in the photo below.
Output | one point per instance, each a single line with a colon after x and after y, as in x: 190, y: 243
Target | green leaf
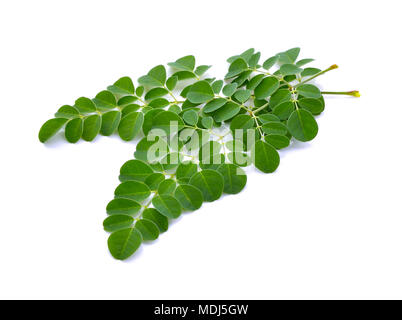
x: 184, y: 75
x: 208, y: 149
x: 255, y: 81
x: 171, y: 82
x: 167, y: 206
x: 253, y: 61
x: 212, y: 162
x: 238, y: 158
x: 85, y: 105
x: 200, y: 92
x: 214, y: 105
x: 217, y: 86
x: 228, y: 111
x: 67, y: 112
x: 242, y: 78
x: 284, y: 110
x: 288, y: 56
x: 126, y: 100
x: 236, y: 67
x: 159, y: 103
x: 200, y: 70
x: 302, y: 125
x: 175, y: 108
x: 234, y: 178
x: 210, y: 183
x: 154, y: 215
x: 242, y: 95
x: 229, y: 89
x: 105, y: 100
x: 131, y: 125
x: 315, y: 106
x: 50, y: 128
x: 265, y: 157
x: 144, y: 152
x: 139, y: 91
x: 190, y: 117
x: 110, y: 122
x: 282, y: 95
x: 207, y: 122
x: 246, y: 55
x: 148, y: 120
x: 184, y: 63
x: 123, y: 206
x: 303, y: 62
x: 274, y: 128
x: 242, y: 121
x: 153, y: 181
x: 156, y: 93
x: 155, y: 77
x: 190, y: 197
x: 234, y: 145
x: 309, y: 91
x: 270, y: 62
x: 117, y: 222
x: 290, y: 69
x: 123, y: 243
x: 167, y: 121
x: 135, y: 170
x: 268, y: 117
x: 278, y: 141
x: 310, y: 72
x: 92, y: 125
x: 266, y: 87
x: 167, y: 186
x: 133, y: 190
x: 149, y: 230
x: 171, y: 161
x: 129, y: 108
x: 74, y: 130
x: 122, y: 86
x: 185, y: 171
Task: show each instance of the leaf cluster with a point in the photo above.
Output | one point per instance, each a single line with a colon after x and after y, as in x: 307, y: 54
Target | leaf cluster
x: 209, y: 130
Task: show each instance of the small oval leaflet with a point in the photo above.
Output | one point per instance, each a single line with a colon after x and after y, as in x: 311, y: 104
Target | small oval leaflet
x: 74, y: 130
x: 123, y: 243
x: 200, y: 92
x: 131, y: 125
x: 266, y: 158
x: 148, y: 229
x: 234, y: 178
x: 92, y: 125
x: 189, y: 197
x: 210, y: 183
x: 110, y: 122
x: 167, y: 205
x: 302, y: 125
x: 154, y: 215
x: 135, y: 170
x: 117, y: 222
x: 123, y: 206
x: 50, y: 128
x: 133, y: 190
x: 266, y: 87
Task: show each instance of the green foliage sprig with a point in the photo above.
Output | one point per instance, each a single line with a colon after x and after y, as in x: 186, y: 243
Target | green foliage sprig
x: 194, y: 134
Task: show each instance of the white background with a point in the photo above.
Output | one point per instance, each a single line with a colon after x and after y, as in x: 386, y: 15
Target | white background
x: 326, y: 224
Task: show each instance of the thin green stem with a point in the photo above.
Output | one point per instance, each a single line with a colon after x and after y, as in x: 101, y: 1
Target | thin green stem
x: 261, y: 108
x: 334, y: 66
x: 354, y: 93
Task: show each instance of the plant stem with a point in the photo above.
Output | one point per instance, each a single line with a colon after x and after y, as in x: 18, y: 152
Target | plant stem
x: 334, y: 66
x: 353, y: 93
x: 260, y: 108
